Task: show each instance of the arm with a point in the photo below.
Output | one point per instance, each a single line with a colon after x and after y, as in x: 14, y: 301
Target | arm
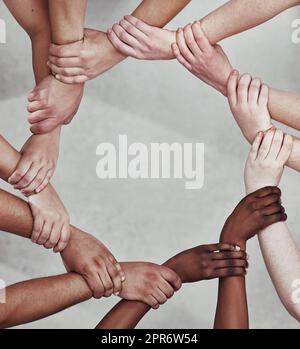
x: 265, y: 165
x: 97, y: 54
x: 40, y: 151
x: 67, y: 20
x: 140, y: 40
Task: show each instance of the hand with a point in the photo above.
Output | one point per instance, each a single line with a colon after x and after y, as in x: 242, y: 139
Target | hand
x: 88, y: 257
x: 208, y: 262
x: 51, y: 221
x: 267, y: 158
x: 82, y: 61
x: 136, y: 39
x: 37, y: 164
x: 53, y: 103
x: 254, y: 213
x: 248, y: 100
x: 208, y: 63
x: 149, y: 283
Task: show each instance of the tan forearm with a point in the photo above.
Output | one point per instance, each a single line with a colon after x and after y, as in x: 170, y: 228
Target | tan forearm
x: 236, y: 16
x: 67, y: 19
x: 35, y: 299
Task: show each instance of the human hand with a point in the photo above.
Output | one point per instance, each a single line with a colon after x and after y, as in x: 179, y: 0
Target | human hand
x: 88, y: 257
x: 267, y: 158
x: 248, y: 101
x: 255, y: 212
x: 133, y: 37
x: 82, y: 61
x: 149, y: 283
x: 37, y: 164
x: 207, y: 262
x: 207, y: 62
x: 53, y: 103
x: 51, y: 221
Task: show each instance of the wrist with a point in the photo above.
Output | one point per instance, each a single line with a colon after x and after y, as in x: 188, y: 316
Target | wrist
x: 231, y: 237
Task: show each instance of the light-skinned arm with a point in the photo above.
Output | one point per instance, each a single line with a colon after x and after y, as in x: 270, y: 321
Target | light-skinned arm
x: 265, y: 166
x: 97, y: 54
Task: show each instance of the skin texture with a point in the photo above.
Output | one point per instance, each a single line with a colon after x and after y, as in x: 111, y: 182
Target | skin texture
x: 260, y: 209
x: 39, y: 153
x: 93, y: 261
x: 280, y: 252
x: 248, y: 99
x: 143, y: 41
x: 96, y: 54
x: 196, y: 264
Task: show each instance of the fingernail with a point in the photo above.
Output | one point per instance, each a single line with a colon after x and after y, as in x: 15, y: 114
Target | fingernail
x: 57, y: 76
x: 247, y: 257
x: 117, y: 293
x: 123, y: 278
x: 237, y: 248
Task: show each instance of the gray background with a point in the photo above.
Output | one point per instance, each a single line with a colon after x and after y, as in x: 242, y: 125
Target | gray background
x: 152, y: 220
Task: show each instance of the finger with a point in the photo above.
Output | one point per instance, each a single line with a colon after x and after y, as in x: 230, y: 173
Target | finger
x: 35, y: 106
x: 54, y: 236
x: 125, y: 37
x: 45, y: 181
x: 232, y: 88
x: 260, y: 193
x: 20, y: 171
x: 119, y: 45
x: 184, y: 50
x: 228, y: 272
x: 71, y: 62
x: 266, y: 144
x: 170, y: 276
x: 276, y: 144
x: 275, y: 218
x: 29, y: 176
x: 230, y: 263
x: 106, y: 280
x: 201, y: 38
x: 229, y: 255
x: 152, y: 302
x: 180, y: 58
x: 95, y: 284
x: 120, y: 270
x: 219, y: 247
x: 159, y: 296
x: 37, y: 228
x: 264, y: 95
x: 71, y: 80
x: 166, y: 288
x: 273, y: 209
x: 254, y: 90
x: 38, y: 116
x: 142, y: 26
x: 256, y: 145
x: 45, y: 233
x: 267, y: 201
x: 65, y: 51
x: 115, y: 277
x: 64, y: 239
x: 33, y: 96
x: 286, y: 149
x: 243, y: 89
x: 38, y: 180
x: 44, y: 126
x: 133, y: 30
x: 190, y: 41
x: 67, y: 72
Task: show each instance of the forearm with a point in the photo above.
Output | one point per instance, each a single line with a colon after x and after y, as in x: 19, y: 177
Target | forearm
x: 285, y: 107
x: 232, y: 308
x: 67, y: 20
x: 127, y: 314
x: 50, y: 295
x: 236, y: 16
x: 282, y: 259
x: 159, y: 13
